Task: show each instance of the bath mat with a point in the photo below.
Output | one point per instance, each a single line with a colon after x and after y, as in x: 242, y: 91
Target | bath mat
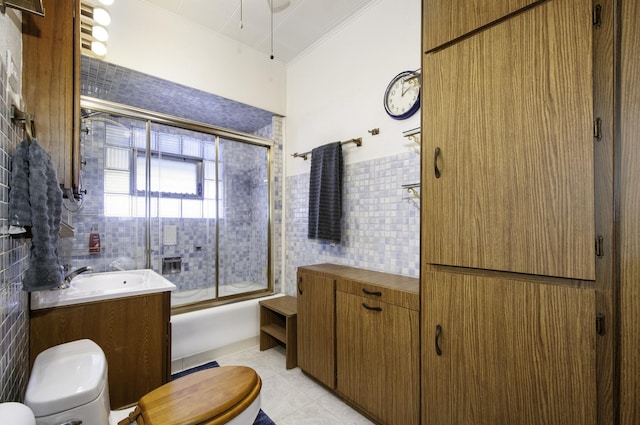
x: 261, y: 419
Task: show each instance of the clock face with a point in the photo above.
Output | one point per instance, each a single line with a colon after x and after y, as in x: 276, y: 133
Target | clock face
x: 402, y: 97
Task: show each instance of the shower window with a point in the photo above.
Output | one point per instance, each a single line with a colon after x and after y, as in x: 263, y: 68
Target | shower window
x: 172, y: 176
x: 182, y: 167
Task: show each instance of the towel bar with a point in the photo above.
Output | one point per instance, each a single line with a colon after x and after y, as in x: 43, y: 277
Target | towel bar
x: 305, y: 155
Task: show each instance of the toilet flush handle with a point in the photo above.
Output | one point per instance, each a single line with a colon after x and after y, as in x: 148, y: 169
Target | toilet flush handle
x: 72, y: 422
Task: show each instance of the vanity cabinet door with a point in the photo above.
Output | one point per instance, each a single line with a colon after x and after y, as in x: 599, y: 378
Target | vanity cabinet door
x: 499, y: 351
x: 133, y: 332
x: 316, y: 326
x: 507, y: 146
x: 377, y: 358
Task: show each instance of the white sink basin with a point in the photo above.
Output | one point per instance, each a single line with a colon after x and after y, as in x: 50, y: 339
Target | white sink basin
x: 102, y: 286
x: 108, y: 281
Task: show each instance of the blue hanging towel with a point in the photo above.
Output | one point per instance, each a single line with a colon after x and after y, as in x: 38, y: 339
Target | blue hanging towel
x: 35, y: 201
x: 325, y: 192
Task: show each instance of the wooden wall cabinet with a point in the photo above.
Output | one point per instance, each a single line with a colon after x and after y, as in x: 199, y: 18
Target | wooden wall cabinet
x: 133, y: 332
x: 51, y: 83
x: 369, y: 352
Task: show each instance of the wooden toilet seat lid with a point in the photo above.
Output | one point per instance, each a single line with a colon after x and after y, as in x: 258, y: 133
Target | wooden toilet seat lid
x: 211, y: 396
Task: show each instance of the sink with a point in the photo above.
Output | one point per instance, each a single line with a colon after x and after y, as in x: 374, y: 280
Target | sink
x: 102, y: 286
x: 108, y: 281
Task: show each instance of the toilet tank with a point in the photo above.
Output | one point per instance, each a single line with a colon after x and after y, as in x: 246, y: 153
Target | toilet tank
x: 67, y: 376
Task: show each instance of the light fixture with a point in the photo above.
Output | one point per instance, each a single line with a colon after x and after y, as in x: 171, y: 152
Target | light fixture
x: 278, y: 5
x: 94, y: 35
x: 100, y: 33
x: 101, y: 16
x: 97, y: 14
x: 98, y: 48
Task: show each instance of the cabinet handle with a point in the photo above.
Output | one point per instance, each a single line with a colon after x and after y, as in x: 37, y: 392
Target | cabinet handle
x: 368, y: 307
x: 438, y: 332
x: 300, y: 283
x: 376, y: 293
x: 436, y: 170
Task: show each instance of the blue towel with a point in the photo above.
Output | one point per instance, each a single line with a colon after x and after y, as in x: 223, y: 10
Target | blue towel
x: 19, y: 207
x: 35, y: 200
x: 325, y: 193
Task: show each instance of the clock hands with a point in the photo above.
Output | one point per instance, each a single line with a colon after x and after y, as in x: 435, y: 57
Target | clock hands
x: 410, y: 83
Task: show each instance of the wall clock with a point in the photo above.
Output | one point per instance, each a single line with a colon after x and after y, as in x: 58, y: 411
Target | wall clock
x: 402, y: 96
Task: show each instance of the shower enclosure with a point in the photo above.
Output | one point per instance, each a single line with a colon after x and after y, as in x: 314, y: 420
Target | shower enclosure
x: 188, y: 200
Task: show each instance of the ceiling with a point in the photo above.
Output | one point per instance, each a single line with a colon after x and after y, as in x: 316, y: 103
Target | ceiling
x: 295, y: 28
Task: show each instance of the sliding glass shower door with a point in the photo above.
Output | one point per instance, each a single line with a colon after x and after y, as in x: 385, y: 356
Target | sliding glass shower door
x: 189, y: 202
x: 178, y: 174
x: 243, y: 212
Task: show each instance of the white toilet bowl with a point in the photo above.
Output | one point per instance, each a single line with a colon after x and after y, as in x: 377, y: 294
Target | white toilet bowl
x: 16, y: 414
x: 69, y: 383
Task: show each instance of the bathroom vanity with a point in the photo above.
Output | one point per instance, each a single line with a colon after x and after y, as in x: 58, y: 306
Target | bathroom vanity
x: 134, y: 331
x: 358, y: 334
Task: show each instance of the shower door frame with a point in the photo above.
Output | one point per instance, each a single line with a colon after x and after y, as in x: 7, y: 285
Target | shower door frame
x: 150, y: 117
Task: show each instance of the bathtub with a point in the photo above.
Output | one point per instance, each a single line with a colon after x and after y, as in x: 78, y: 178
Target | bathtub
x: 201, y: 336
x: 179, y: 298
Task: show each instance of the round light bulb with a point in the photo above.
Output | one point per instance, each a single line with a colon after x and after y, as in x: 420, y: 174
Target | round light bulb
x: 100, y: 33
x: 101, y: 16
x: 98, y: 48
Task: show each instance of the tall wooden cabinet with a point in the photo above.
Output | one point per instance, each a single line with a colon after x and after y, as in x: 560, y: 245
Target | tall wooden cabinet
x: 630, y: 215
x: 51, y: 83
x: 516, y: 199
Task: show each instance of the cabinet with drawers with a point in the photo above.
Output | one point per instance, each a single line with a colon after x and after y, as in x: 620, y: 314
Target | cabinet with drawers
x: 373, y: 351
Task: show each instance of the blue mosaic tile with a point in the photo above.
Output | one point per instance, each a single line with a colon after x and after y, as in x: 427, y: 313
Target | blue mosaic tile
x: 380, y: 223
x: 118, y: 84
x: 14, y: 255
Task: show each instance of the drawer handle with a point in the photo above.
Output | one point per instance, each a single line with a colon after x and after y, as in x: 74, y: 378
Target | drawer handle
x: 300, y: 283
x: 368, y: 307
x: 438, y: 332
x: 376, y: 293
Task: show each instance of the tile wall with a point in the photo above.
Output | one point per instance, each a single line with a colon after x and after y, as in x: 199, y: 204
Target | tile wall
x: 14, y: 254
x: 123, y: 238
x: 380, y: 220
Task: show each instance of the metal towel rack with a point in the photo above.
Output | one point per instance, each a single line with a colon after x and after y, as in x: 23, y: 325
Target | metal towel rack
x: 413, y: 189
x: 28, y: 120
x: 305, y: 155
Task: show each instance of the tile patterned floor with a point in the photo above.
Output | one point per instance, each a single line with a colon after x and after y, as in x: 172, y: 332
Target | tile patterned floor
x: 290, y: 397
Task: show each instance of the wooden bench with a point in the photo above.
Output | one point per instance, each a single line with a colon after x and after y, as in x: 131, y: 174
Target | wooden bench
x: 278, y: 325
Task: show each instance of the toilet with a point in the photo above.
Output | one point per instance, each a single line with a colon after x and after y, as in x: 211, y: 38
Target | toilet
x: 69, y: 383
